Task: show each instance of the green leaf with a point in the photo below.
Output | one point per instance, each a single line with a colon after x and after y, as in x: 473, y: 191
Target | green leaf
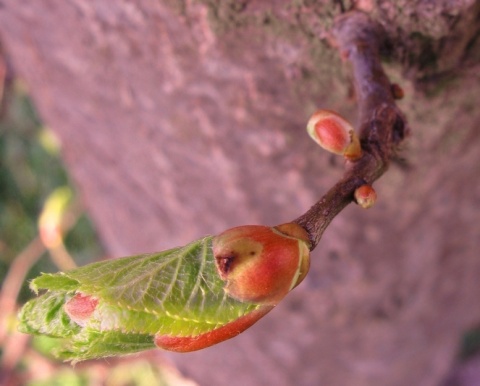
x: 54, y: 282
x: 176, y: 292
x: 94, y: 344
x: 45, y: 316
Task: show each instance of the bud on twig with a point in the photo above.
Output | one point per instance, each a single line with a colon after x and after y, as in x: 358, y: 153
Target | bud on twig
x: 262, y: 264
x: 334, y: 134
x: 365, y: 196
x: 183, y: 299
x: 397, y: 91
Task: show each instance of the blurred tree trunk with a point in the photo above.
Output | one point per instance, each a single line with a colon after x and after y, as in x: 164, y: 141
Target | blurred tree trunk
x: 180, y: 119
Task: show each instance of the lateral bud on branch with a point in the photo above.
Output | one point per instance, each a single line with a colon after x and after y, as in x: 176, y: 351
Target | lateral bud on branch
x: 365, y: 196
x: 397, y: 91
x: 335, y: 134
x: 382, y: 126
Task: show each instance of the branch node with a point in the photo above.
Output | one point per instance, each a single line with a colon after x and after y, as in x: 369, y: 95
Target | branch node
x: 382, y: 125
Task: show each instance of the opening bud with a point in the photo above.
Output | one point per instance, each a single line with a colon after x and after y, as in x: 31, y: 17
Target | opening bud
x: 335, y: 134
x: 365, y: 196
x: 80, y: 308
x: 261, y: 264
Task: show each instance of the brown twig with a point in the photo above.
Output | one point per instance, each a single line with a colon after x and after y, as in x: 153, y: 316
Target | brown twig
x: 3, y: 76
x: 382, y: 125
x: 13, y: 282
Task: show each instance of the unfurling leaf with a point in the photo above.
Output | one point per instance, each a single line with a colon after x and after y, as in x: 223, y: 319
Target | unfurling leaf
x: 183, y: 299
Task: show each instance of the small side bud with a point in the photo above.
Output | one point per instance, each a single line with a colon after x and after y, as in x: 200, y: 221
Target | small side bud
x: 397, y: 91
x: 335, y: 134
x: 261, y: 264
x: 365, y: 196
x: 50, y: 220
x: 80, y: 308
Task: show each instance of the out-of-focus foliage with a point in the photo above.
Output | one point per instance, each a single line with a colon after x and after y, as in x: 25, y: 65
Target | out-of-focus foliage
x: 30, y: 169
x: 131, y: 372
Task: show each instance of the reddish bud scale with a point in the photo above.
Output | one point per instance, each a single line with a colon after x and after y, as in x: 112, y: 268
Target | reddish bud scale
x: 260, y: 264
x: 80, y: 308
x: 228, y: 331
x: 330, y: 132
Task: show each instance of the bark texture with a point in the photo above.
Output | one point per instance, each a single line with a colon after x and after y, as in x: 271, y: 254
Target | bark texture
x: 180, y: 119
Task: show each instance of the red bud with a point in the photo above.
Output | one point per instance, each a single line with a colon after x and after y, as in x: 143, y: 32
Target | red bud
x: 365, y: 196
x: 261, y: 264
x: 335, y: 134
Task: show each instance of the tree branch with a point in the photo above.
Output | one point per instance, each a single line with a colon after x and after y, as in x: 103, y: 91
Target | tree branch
x: 382, y: 125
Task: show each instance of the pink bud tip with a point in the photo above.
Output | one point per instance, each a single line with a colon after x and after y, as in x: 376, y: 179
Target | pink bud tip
x: 50, y: 234
x: 365, y: 196
x: 335, y: 134
x: 80, y: 308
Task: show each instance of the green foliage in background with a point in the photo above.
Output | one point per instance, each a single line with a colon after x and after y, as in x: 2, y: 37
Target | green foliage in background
x: 30, y: 169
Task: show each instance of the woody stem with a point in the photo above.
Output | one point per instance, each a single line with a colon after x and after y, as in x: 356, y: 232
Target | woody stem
x: 382, y: 125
